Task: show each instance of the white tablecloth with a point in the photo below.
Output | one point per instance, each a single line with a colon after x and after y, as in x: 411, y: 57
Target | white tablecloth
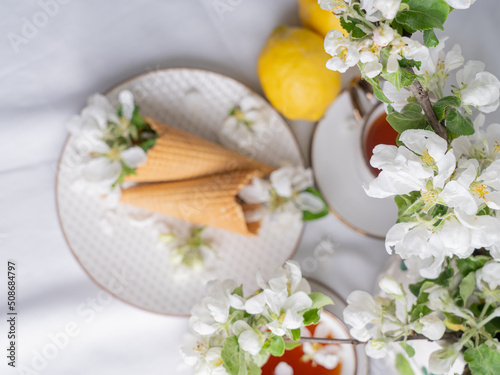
x: 54, y: 54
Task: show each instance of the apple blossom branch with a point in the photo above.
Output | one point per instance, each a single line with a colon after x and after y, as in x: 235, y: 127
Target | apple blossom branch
x: 320, y: 340
x: 422, y: 97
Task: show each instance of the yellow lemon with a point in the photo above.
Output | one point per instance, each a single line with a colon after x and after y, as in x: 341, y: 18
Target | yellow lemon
x: 317, y: 19
x: 293, y: 75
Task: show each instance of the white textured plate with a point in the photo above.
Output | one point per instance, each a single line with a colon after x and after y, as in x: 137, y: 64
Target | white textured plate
x: 124, y: 258
x: 340, y: 172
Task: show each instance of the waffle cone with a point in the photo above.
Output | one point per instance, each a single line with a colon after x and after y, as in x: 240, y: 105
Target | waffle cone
x: 179, y: 155
x: 210, y: 200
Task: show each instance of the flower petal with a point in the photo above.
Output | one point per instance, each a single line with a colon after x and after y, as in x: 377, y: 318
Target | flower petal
x: 102, y: 170
x: 306, y: 201
x: 134, y: 157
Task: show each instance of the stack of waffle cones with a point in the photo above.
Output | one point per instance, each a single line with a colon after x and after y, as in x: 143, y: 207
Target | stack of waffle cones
x: 195, y: 180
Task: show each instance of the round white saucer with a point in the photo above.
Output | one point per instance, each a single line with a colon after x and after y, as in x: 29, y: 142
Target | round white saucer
x: 340, y: 172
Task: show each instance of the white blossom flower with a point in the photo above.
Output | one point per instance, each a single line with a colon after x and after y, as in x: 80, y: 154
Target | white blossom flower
x: 411, y: 240
x: 390, y: 286
x: 414, y: 50
x: 282, y: 298
x: 483, y: 231
x: 393, y: 67
x: 213, y: 311
x: 335, y: 6
x: 205, y: 359
x: 249, y: 339
x: 460, y: 4
x: 369, y: 55
x: 258, y: 191
x: 488, y: 275
x: 107, y: 165
x: 372, y: 13
x: 441, y: 300
x: 283, y: 368
x: 470, y: 189
x: 284, y: 193
x: 378, y: 348
x: 460, y: 234
x: 398, y: 98
x: 362, y: 313
x: 327, y: 356
x: 425, y: 159
x: 436, y: 68
x: 344, y: 52
x: 383, y: 35
x: 441, y: 360
x: 389, y: 8
x: 478, y: 88
x: 245, y: 124
x: 431, y: 326
x: 483, y: 145
x: 102, y: 165
x: 440, y: 61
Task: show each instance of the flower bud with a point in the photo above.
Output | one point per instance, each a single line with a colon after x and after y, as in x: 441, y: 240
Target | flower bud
x: 389, y: 285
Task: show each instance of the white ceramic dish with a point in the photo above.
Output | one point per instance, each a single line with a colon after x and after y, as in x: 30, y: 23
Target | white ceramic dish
x: 340, y: 172
x: 125, y: 260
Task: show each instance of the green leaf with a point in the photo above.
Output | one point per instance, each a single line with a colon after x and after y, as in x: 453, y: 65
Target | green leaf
x: 419, y: 311
x: 233, y: 357
x: 375, y: 82
x: 442, y: 104
x: 238, y: 291
x: 416, y: 20
x: 406, y: 63
x: 467, y: 265
x: 445, y: 277
x: 311, y: 317
x: 483, y: 360
x: 402, y: 266
x: 289, y: 345
x: 253, y: 369
x: 319, y: 300
x: 295, y: 334
x: 430, y: 38
x: 467, y: 286
x: 351, y: 26
x: 493, y: 326
x: 424, y: 15
x: 438, y: 8
x: 458, y: 123
x: 126, y: 170
x: 408, y: 204
x: 410, y: 117
x: 403, y: 366
x: 146, y: 145
x: 277, y: 347
x: 408, y: 349
x: 401, y: 77
x: 307, y: 215
x: 137, y: 120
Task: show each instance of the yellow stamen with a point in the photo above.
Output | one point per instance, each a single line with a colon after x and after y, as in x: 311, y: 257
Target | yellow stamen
x: 281, y: 318
x: 426, y: 158
x: 114, y: 154
x: 480, y: 190
x: 496, y: 147
x: 316, y: 347
x: 343, y: 53
x: 238, y: 113
x: 124, y: 122
x: 218, y: 362
x: 429, y: 197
